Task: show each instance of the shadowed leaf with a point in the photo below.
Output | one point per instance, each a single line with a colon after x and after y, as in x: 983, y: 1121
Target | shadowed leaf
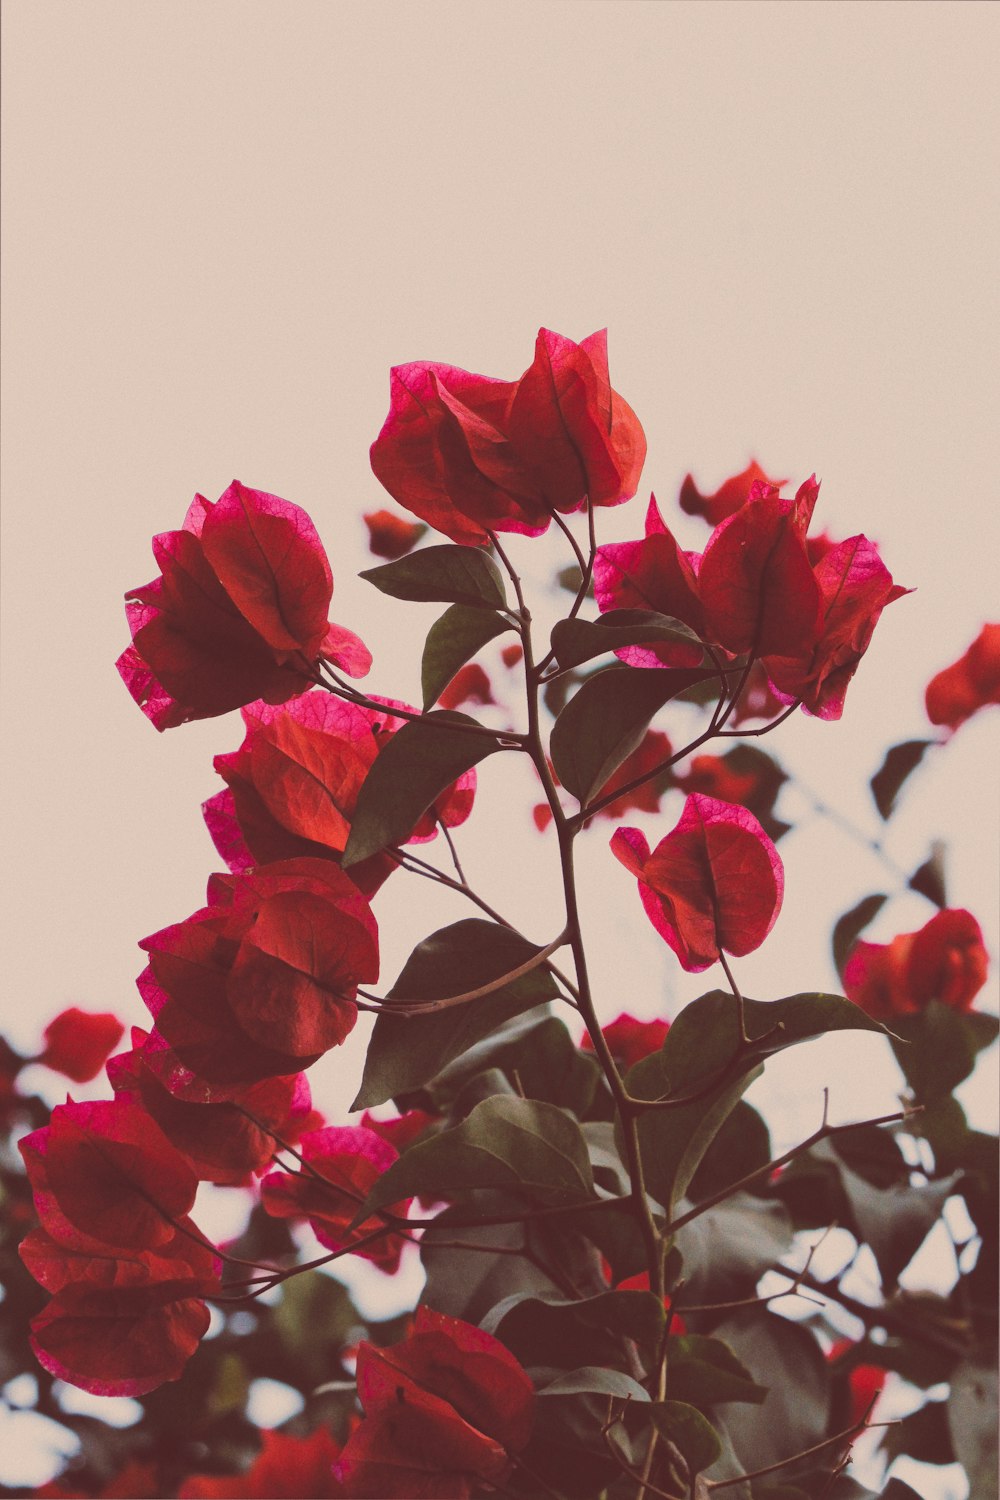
x: 451, y: 641
x: 576, y: 641
x: 900, y: 762
x: 445, y: 575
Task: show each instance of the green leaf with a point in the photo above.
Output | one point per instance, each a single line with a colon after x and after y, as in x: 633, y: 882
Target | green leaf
x: 691, y: 1434
x: 412, y: 769
x: 703, y: 1045
x: 851, y: 925
x: 595, y: 1378
x: 726, y: 1249
x: 742, y: 1144
x: 899, y: 763
x: 576, y: 641
x: 447, y: 575
x: 540, y: 1059
x: 537, y: 1328
x: 451, y: 641
x: 606, y: 720
x: 467, y: 1283
x: 522, y: 1145
x: 786, y: 1359
x: 972, y: 1419
x: 929, y: 879
x: 936, y: 1050
x: 924, y: 1435
x: 704, y: 1371
x: 407, y: 1051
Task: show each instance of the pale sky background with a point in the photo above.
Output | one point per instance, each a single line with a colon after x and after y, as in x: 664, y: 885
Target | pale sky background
x: 225, y: 222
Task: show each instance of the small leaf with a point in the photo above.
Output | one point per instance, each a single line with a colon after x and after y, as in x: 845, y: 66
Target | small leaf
x: 576, y: 641
x: 936, y: 1050
x: 899, y: 763
x: 521, y: 1145
x: 928, y: 880
x: 606, y: 720
x: 691, y: 1433
x: 742, y: 1145
x: 851, y: 925
x: 445, y: 574
x: 786, y: 1359
x: 595, y: 1378
x: 451, y: 642
x: 537, y: 1328
x: 972, y: 1419
x: 702, y: 1044
x: 726, y: 1249
x: 704, y: 1371
x: 413, y: 768
x: 407, y: 1051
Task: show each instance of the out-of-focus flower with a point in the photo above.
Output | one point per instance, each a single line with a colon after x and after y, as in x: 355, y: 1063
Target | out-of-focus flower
x: 391, y: 536
x: 728, y: 498
x: 946, y: 961
x: 969, y: 684
x: 629, y: 1039
x: 78, y: 1043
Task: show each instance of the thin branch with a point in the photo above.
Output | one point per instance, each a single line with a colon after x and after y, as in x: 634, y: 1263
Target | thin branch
x: 399, y: 1005
x: 824, y: 1132
x: 848, y: 1434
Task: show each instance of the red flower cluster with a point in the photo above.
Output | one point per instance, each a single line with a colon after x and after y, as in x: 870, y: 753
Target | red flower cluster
x: 78, y: 1043
x: 630, y: 1040
x: 293, y: 784
x: 239, y: 611
x: 445, y: 1411
x: 227, y: 1142
x: 969, y: 684
x: 261, y: 981
x: 116, y: 1247
x: 946, y: 961
x: 715, y: 883
x: 286, y: 1468
x: 756, y: 589
x: 340, y: 1167
x: 469, y: 454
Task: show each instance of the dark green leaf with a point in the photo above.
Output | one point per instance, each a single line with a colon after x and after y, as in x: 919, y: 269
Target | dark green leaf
x: 705, y: 1371
x: 764, y: 1491
x: 726, y: 1249
x: 936, y: 1050
x: 540, y: 1059
x: 702, y: 1045
x: 742, y: 1145
x: 872, y: 1152
x: 928, y: 880
x: 971, y: 1412
x: 851, y: 925
x: 606, y: 720
x: 691, y: 1433
x: 897, y: 1490
x: 571, y: 578
x: 522, y: 1145
x: 923, y: 1435
x: 595, y: 1378
x: 452, y: 641
x: 413, y: 768
x: 983, y: 1029
x: 576, y: 641
x: 786, y: 1359
x: 406, y: 1051
x: 467, y: 1283
x: 578, y: 1332
x: 899, y: 763
x: 445, y: 575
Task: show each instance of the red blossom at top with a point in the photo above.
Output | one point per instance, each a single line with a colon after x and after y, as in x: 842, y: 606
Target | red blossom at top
x: 946, y: 961
x: 261, y: 981
x: 78, y: 1043
x: 469, y: 454
x: 293, y: 784
x: 444, y: 1411
x: 728, y: 498
x: 630, y: 1040
x: 970, y: 683
x: 391, y: 536
x: 239, y: 611
x: 286, y: 1468
x: 715, y: 883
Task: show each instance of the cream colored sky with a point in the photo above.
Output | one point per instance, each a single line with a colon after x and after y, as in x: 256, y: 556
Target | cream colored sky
x: 224, y: 222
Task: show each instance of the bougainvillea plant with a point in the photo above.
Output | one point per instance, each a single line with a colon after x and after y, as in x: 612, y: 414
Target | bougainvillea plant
x: 620, y: 1299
